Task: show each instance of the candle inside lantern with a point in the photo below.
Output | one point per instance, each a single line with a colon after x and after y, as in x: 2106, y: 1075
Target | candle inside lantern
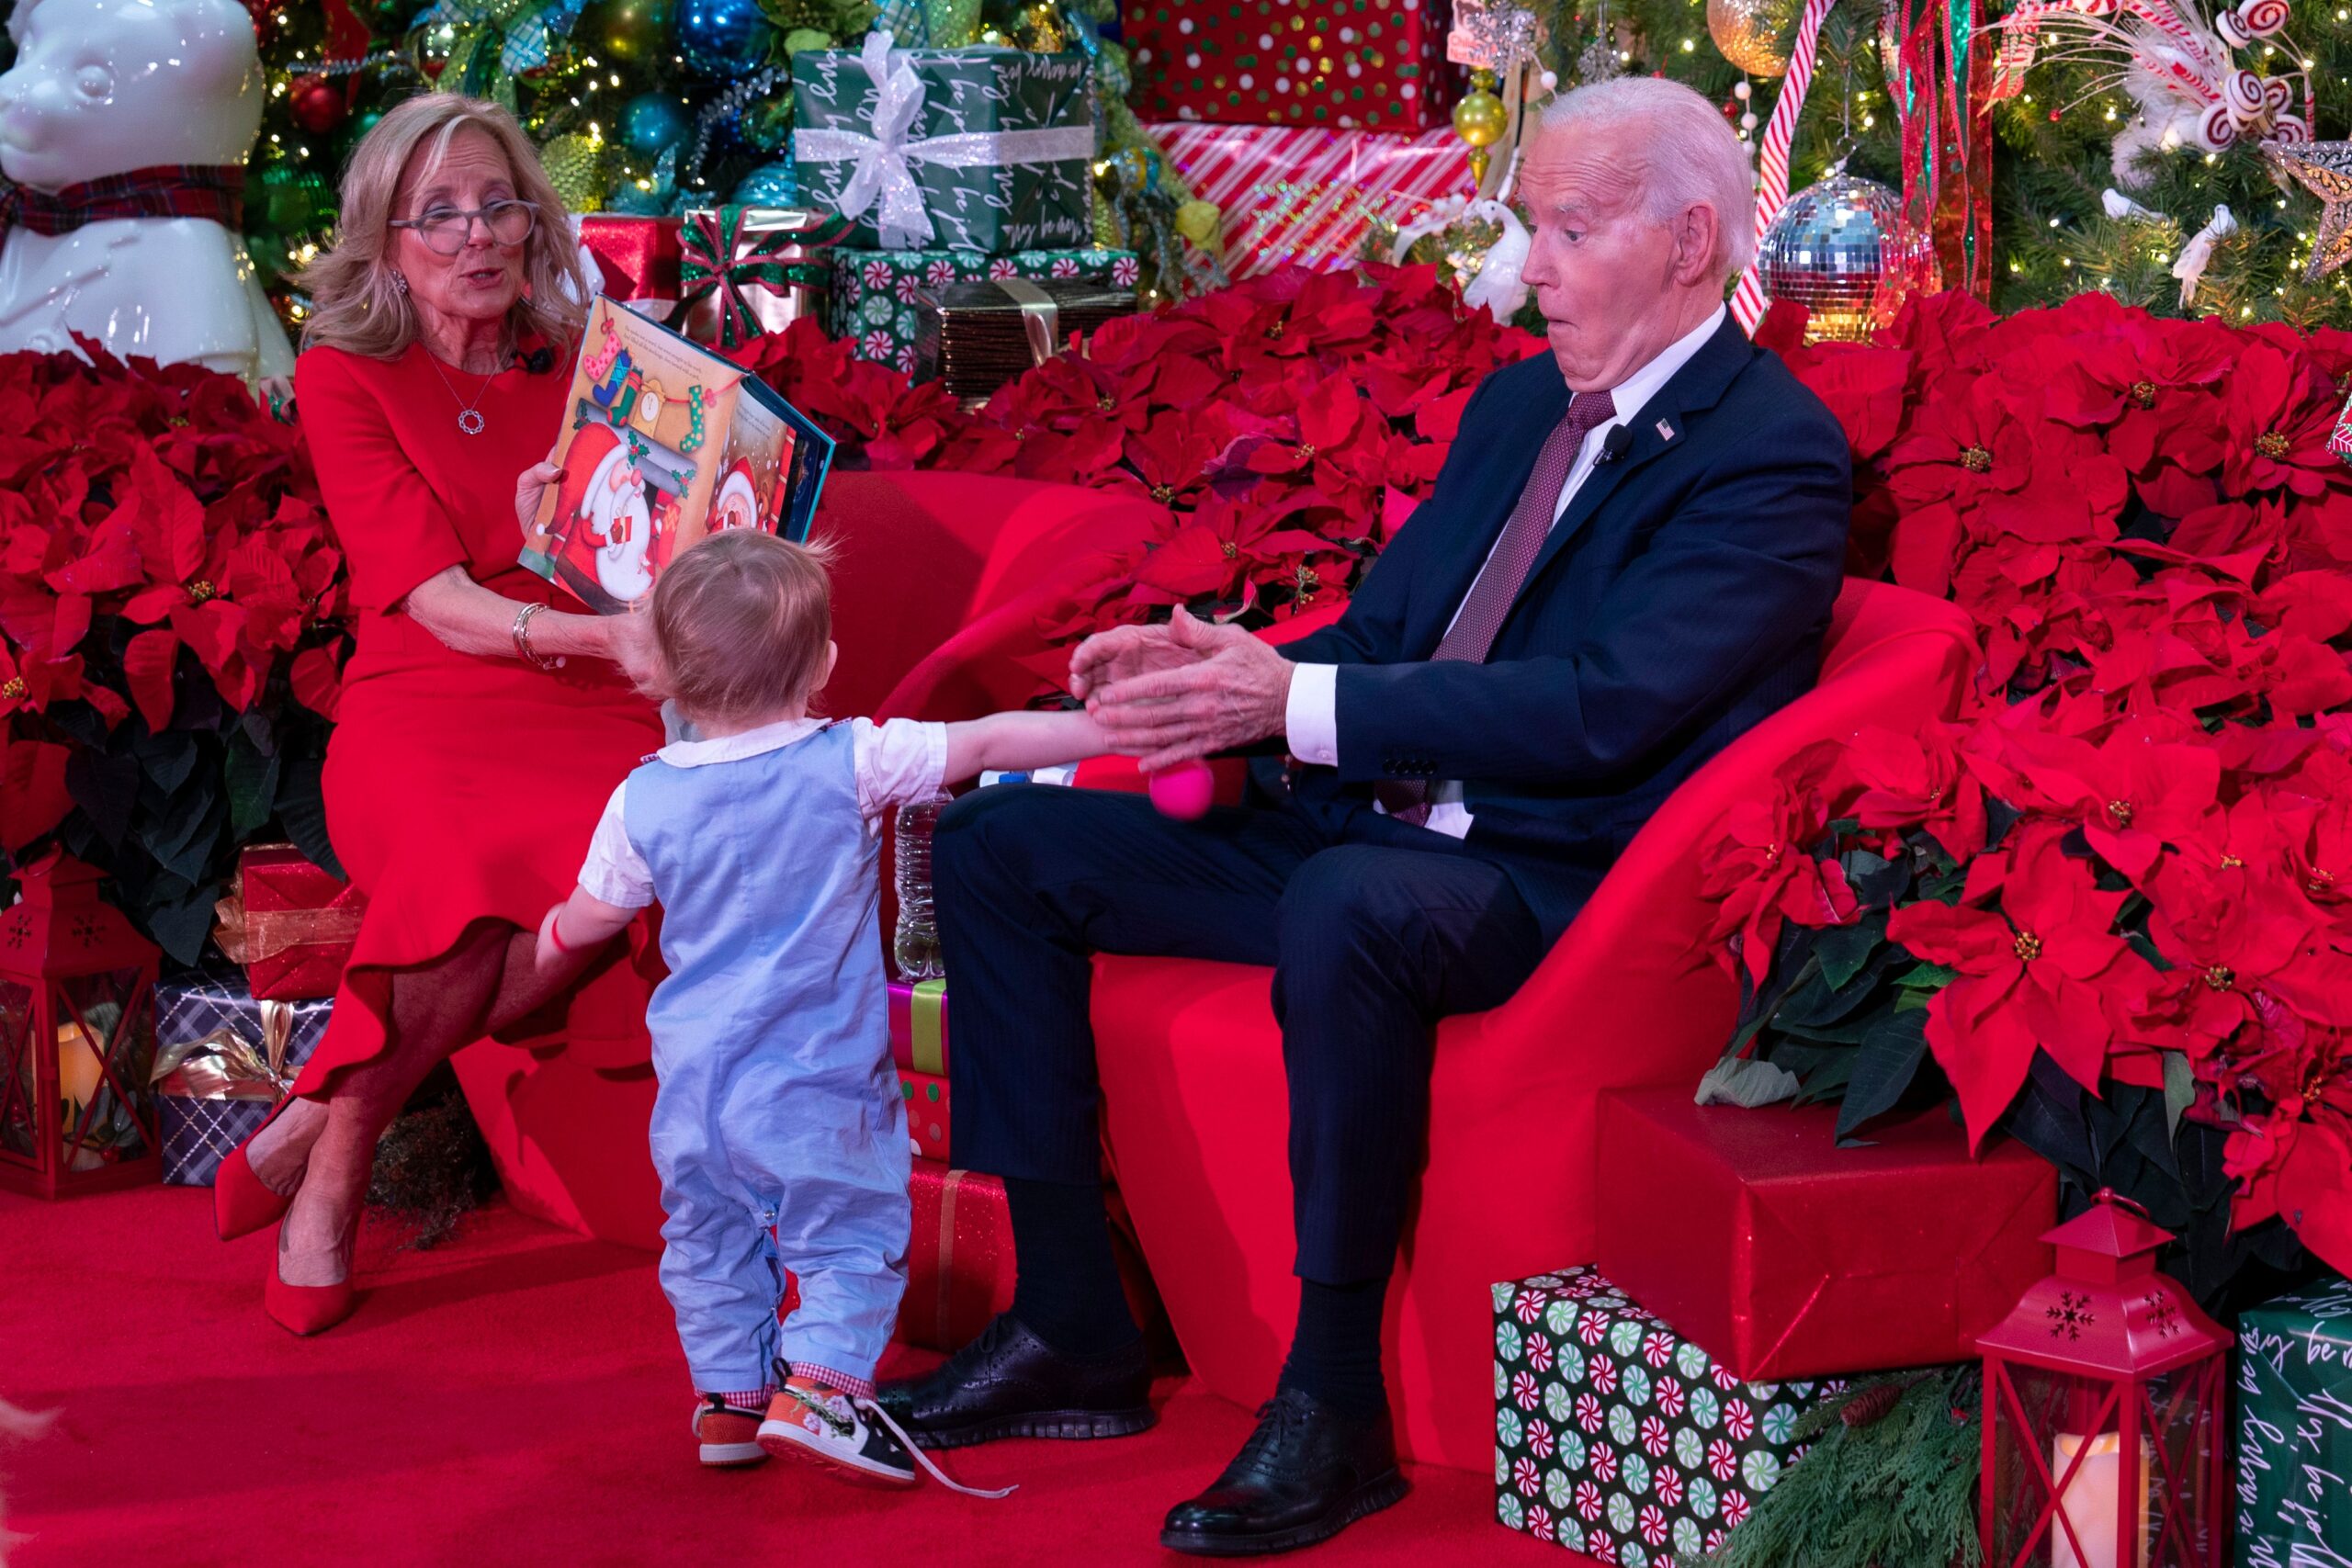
x: 2089, y: 1500
x: 80, y: 1073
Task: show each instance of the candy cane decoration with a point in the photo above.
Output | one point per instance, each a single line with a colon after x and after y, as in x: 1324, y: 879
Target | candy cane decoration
x: 1748, y: 301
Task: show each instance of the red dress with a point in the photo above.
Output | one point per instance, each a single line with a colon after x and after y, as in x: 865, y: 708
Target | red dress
x: 458, y: 788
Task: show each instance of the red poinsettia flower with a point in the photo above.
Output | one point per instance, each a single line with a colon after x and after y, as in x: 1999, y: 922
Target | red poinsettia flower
x: 2134, y: 794
x: 1760, y: 872
x: 2278, y: 412
x: 2044, y: 971
x: 1223, y: 542
x: 1906, y: 779
x: 2237, y: 935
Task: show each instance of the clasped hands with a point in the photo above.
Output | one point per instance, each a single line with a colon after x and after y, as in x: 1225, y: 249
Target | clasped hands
x: 1168, y: 694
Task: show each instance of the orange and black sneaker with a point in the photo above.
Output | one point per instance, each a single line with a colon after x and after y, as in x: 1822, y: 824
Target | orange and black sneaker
x: 831, y: 1429
x: 728, y: 1433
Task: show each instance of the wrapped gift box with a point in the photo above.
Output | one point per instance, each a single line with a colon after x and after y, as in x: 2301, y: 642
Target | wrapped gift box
x: 1308, y: 198
x: 636, y: 258
x: 288, y: 924
x: 1786, y: 1256
x: 959, y: 1262
x: 748, y: 270
x: 878, y: 295
x: 1375, y: 64
x: 974, y: 337
x: 2294, y: 1462
x: 222, y: 1060
x: 919, y: 1026
x: 1616, y: 1437
x: 984, y: 149
x: 926, y: 1095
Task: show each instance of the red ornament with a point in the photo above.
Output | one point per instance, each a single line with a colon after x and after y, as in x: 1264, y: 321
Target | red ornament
x: 317, y: 105
x: 2104, y: 1394
x: 77, y: 1038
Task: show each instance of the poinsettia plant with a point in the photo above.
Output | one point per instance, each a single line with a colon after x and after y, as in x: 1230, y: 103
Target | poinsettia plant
x: 1285, y: 422
x: 170, y: 607
x: 2101, y: 907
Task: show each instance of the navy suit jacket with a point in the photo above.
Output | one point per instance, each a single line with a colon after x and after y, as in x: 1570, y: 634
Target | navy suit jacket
x: 1680, y: 599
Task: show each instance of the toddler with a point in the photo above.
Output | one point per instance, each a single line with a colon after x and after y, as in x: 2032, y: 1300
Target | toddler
x: 777, y: 1108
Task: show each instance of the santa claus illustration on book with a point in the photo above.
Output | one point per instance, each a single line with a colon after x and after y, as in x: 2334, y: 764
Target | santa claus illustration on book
x: 602, y: 502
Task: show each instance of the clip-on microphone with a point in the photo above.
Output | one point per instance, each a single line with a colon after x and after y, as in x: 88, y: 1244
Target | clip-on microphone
x: 1613, y: 445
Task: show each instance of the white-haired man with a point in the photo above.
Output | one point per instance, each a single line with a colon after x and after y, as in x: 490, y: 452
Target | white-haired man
x: 1629, y: 559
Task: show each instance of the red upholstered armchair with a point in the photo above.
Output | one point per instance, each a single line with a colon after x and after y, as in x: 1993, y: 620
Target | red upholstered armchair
x: 1197, y: 1121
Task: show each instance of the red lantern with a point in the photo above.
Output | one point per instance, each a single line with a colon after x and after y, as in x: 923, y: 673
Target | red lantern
x: 2103, y: 1411
x: 77, y: 1038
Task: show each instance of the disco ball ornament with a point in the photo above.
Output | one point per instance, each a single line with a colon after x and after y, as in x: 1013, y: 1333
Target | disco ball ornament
x: 652, y: 122
x: 720, y: 39
x: 1753, y: 34
x: 1842, y: 250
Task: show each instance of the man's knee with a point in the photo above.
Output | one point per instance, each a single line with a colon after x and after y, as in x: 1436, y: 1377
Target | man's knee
x: 1346, y: 899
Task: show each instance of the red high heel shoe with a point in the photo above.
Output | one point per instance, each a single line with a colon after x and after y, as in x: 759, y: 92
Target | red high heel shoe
x: 305, y: 1310
x: 241, y: 1203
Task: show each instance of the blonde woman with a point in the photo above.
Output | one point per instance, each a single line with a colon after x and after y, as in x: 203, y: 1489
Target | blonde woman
x: 481, y: 731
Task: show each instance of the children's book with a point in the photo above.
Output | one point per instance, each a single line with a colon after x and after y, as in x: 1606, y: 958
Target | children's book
x: 662, y: 443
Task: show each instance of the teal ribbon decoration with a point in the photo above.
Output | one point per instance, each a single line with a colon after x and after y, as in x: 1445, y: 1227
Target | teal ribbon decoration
x: 719, y: 258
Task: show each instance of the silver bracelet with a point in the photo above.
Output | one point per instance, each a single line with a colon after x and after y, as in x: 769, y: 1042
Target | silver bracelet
x: 522, y: 633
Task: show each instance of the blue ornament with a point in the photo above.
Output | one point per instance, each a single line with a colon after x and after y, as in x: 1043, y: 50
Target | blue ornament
x: 769, y: 184
x: 721, y: 39
x: 652, y: 122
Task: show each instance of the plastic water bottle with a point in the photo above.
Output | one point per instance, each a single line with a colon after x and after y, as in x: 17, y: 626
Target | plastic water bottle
x: 914, y: 946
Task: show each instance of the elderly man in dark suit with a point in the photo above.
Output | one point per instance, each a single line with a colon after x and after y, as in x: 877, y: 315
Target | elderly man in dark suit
x: 1629, y: 559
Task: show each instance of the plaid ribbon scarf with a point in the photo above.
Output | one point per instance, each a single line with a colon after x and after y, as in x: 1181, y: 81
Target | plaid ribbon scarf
x: 720, y: 254
x: 164, y: 190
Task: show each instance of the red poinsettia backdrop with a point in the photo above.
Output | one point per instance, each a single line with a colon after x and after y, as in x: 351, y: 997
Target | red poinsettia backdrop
x: 168, y: 647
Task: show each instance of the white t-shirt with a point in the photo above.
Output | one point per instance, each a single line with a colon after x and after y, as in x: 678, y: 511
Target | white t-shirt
x: 898, y: 760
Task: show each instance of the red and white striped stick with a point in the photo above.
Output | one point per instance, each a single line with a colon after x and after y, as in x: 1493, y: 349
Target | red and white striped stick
x: 1748, y: 301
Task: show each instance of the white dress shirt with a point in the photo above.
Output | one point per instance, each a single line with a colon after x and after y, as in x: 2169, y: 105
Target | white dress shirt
x: 1311, y: 719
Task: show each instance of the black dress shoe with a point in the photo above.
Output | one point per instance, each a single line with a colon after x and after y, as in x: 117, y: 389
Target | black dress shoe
x: 1307, y: 1473
x: 1010, y: 1384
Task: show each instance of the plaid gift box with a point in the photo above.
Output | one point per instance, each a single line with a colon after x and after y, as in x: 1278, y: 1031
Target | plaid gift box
x: 878, y: 295
x: 985, y: 150
x: 222, y: 1060
x: 1616, y: 1437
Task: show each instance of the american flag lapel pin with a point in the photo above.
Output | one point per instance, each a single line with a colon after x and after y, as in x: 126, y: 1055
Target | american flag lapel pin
x: 1665, y: 430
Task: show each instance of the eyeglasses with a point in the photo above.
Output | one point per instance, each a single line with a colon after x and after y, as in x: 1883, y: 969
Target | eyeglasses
x: 446, y: 229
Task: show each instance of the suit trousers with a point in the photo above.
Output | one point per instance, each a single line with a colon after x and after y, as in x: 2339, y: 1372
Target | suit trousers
x: 1371, y: 943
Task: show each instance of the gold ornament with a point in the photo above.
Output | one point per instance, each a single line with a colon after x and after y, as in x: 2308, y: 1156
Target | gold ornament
x: 1197, y: 221
x: 575, y: 166
x: 995, y: 38
x: 1753, y: 34
x: 1041, y: 25
x: 1480, y: 120
x: 2323, y: 168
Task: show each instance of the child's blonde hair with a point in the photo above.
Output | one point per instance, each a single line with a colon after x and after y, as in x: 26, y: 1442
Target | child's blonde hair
x: 741, y: 623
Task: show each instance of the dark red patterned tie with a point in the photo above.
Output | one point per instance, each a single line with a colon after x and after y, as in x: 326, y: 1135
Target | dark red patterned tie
x: 1472, y: 636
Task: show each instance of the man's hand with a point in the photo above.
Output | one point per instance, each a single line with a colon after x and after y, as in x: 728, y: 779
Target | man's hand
x: 1169, y: 694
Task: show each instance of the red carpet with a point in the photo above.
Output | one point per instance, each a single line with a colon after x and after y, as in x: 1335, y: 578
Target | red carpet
x: 516, y: 1396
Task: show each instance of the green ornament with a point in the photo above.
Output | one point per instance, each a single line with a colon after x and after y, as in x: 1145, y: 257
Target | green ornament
x: 575, y: 166
x: 954, y: 24
x: 364, y: 122
x: 800, y: 39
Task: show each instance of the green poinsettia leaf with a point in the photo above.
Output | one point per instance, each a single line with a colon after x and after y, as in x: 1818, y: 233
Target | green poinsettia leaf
x: 1747, y: 1084
x: 2180, y: 1089
x: 1846, y: 951
x: 183, y: 833
x: 302, y: 812
x: 106, y: 787
x: 168, y: 759
x: 180, y: 924
x: 1884, y: 1065
x: 252, y: 780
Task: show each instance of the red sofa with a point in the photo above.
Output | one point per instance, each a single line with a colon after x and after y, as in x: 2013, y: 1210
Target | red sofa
x: 1192, y: 1062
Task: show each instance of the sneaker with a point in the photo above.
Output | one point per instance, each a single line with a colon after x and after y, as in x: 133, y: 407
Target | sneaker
x: 827, y: 1427
x: 729, y: 1434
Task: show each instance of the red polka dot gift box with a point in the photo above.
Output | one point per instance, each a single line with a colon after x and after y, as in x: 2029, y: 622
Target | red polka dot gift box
x: 1339, y: 64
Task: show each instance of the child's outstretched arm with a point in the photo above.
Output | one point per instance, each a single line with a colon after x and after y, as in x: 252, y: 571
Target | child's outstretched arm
x: 1021, y: 741
x: 575, y: 930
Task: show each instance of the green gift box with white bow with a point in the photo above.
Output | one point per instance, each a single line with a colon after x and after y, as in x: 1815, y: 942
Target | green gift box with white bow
x: 987, y: 150
x: 1616, y: 1437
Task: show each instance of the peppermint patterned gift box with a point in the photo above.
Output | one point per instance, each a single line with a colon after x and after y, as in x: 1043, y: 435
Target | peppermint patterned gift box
x: 876, y: 293
x: 1617, y: 1437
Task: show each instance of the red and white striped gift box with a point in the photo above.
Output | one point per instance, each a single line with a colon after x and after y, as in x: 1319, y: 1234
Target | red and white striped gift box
x: 1308, y: 195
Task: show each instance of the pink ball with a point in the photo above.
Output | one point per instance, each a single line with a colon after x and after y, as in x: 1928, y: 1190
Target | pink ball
x: 1185, y: 791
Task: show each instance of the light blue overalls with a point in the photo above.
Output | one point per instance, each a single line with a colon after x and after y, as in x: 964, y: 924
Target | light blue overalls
x: 778, y: 1106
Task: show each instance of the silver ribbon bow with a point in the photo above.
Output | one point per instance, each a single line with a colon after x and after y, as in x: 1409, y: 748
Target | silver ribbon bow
x: 884, y: 179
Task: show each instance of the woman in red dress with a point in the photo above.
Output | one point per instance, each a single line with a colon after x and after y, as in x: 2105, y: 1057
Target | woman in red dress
x: 479, y: 731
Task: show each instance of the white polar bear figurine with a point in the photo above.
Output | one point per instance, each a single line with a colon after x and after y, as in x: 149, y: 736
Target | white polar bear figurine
x: 102, y: 87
